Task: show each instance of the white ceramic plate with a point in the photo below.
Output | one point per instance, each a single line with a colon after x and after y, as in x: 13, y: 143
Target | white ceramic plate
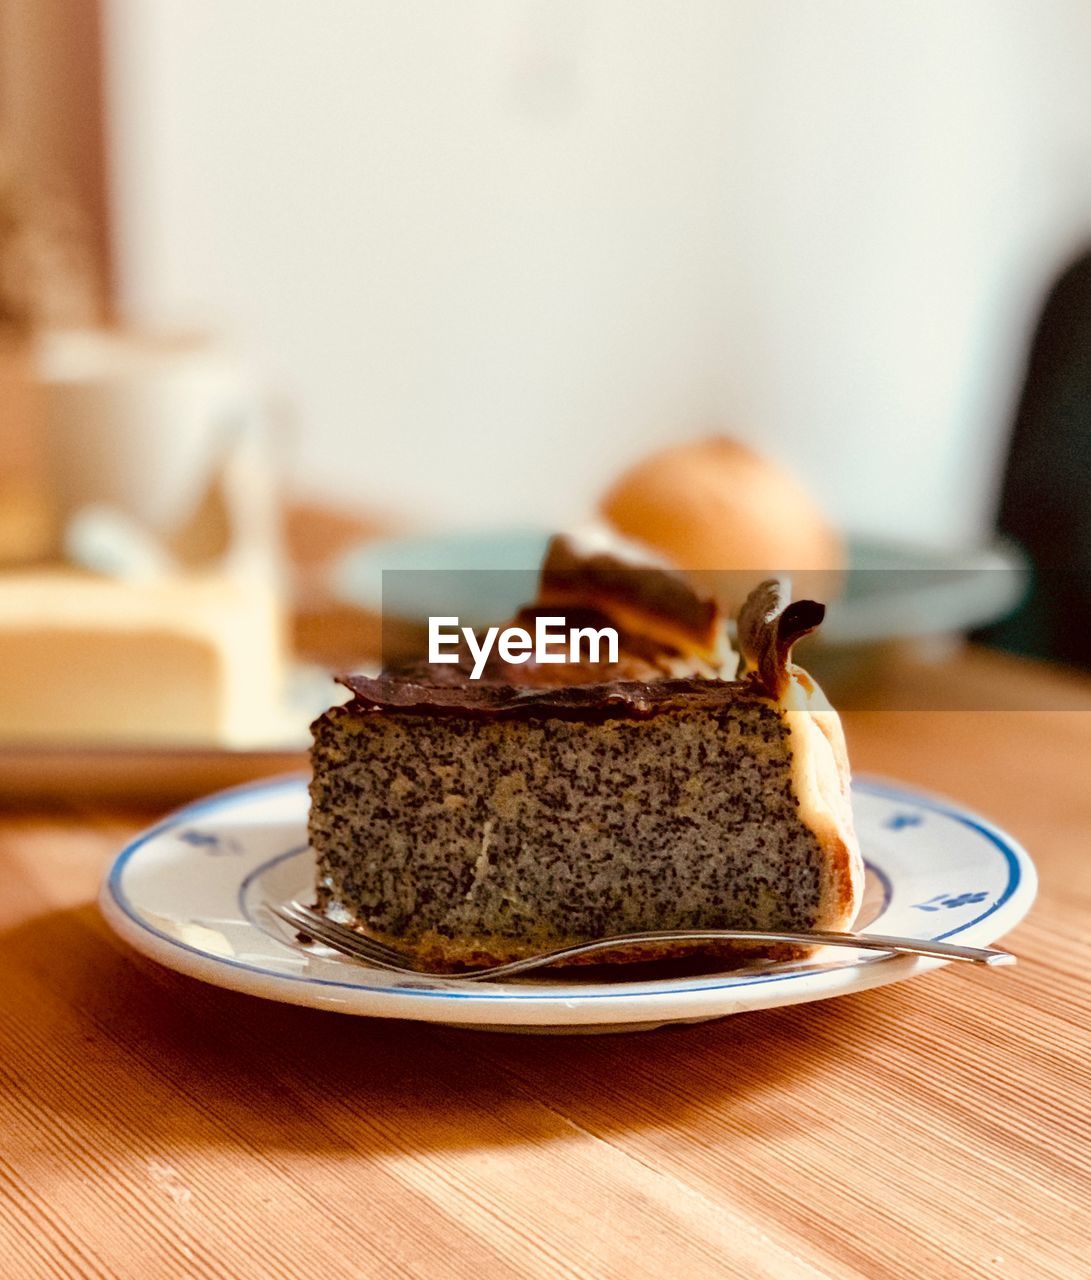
x: 191, y: 894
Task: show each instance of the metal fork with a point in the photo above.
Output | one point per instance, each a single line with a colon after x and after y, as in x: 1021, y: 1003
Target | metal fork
x: 380, y: 955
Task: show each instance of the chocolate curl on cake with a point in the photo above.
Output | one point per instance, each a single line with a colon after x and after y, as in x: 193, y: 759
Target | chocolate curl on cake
x: 769, y: 625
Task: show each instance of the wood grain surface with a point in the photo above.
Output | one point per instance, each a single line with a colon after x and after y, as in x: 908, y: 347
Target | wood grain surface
x: 152, y: 1127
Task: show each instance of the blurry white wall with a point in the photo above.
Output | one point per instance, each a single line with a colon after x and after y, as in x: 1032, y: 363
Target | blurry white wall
x: 492, y: 249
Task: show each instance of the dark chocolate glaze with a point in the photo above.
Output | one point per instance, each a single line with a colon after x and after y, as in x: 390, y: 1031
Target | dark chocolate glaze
x: 627, y: 699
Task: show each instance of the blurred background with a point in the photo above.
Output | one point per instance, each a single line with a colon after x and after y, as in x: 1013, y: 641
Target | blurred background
x: 286, y: 285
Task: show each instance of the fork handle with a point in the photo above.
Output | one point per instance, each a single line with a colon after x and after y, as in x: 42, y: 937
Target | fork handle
x: 856, y: 941
x: 347, y: 941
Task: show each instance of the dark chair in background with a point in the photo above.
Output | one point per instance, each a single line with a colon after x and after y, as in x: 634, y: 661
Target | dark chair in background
x: 1046, y: 499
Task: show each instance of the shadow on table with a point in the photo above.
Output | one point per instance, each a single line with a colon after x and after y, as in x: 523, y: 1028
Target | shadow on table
x: 185, y: 1064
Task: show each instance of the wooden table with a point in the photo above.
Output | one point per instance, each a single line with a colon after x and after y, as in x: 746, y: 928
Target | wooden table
x: 154, y: 1127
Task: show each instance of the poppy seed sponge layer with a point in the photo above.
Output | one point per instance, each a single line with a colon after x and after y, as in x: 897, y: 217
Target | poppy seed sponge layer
x: 476, y: 825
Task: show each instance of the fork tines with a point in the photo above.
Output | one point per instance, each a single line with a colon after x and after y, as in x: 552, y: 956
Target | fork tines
x: 341, y: 937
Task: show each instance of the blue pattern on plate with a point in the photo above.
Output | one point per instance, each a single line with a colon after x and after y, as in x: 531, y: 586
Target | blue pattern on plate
x: 212, y: 844
x: 898, y: 821
x: 942, y: 900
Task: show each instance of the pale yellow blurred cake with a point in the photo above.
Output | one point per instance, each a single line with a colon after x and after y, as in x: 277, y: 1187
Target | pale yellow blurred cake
x: 190, y: 660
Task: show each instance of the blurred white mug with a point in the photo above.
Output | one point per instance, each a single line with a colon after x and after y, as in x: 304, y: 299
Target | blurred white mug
x: 143, y: 426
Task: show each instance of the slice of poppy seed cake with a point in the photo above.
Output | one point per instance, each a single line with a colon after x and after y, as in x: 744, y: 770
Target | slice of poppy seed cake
x: 476, y: 823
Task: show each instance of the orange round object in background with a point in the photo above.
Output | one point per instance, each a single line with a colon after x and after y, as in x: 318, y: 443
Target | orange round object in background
x: 728, y: 517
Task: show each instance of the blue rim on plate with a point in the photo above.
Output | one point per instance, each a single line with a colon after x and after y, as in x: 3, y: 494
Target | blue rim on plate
x: 1018, y: 868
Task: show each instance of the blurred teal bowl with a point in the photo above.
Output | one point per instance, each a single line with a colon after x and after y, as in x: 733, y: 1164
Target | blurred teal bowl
x: 893, y: 591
